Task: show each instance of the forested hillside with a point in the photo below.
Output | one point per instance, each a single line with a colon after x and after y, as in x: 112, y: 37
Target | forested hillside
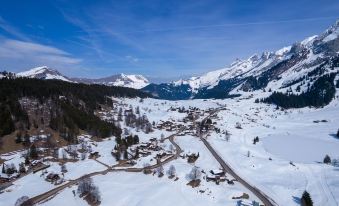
x: 71, y: 105
x: 319, y: 94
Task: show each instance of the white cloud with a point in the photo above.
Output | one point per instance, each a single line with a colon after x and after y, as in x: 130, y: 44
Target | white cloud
x: 131, y: 58
x: 15, y: 54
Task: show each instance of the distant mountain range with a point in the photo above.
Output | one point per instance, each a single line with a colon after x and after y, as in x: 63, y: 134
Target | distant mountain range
x: 286, y: 70
x: 123, y: 80
x: 271, y: 71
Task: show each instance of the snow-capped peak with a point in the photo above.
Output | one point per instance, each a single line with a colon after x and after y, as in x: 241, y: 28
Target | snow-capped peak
x: 131, y: 80
x: 43, y: 72
x: 309, y: 41
x: 34, y: 71
x: 332, y: 33
x: 121, y: 80
x: 283, y: 51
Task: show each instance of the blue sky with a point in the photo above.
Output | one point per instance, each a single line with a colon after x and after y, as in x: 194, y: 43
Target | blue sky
x: 162, y: 40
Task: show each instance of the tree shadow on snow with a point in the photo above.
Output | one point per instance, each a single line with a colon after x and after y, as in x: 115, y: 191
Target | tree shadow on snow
x: 297, y: 200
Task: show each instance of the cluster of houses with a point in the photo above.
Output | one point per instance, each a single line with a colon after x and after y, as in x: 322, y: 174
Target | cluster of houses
x: 143, y: 149
x: 169, y: 125
x: 11, y: 173
x: 146, y: 148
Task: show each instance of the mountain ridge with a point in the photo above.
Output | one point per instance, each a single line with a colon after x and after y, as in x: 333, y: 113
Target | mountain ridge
x: 122, y: 80
x: 269, y: 70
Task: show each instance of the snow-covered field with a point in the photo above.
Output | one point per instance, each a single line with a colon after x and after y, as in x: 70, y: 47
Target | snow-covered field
x: 285, y: 136
x: 286, y: 161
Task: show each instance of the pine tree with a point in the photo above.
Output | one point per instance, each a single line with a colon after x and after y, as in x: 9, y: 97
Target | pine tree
x: 3, y: 168
x: 120, y: 114
x: 33, y: 153
x: 27, y: 160
x: 118, y: 155
x: 338, y: 133
x: 125, y: 155
x: 18, y: 138
x: 306, y: 199
x: 136, y: 156
x: 27, y: 141
x: 136, y: 139
x: 327, y: 159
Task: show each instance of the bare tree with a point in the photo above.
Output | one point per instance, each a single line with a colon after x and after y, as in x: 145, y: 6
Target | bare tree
x: 195, y: 173
x: 160, y: 171
x: 64, y: 154
x: 227, y: 136
x: 83, y: 156
x: 95, y: 194
x: 171, y: 171
x: 63, y: 168
x: 171, y: 148
x: 85, y: 185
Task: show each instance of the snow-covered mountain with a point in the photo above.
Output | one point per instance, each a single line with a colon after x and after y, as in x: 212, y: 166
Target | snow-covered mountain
x: 122, y: 80
x: 43, y: 72
x: 284, y: 68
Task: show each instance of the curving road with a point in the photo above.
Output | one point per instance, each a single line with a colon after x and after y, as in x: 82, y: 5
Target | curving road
x: 267, y: 201
x: 55, y: 191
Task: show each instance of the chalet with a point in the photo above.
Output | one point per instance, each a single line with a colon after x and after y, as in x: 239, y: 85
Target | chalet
x: 215, y: 178
x: 4, y: 180
x: 37, y: 166
x: 52, y: 177
x: 161, y: 155
x: 144, y: 153
x: 216, y: 175
x: 217, y: 172
x: 143, y: 146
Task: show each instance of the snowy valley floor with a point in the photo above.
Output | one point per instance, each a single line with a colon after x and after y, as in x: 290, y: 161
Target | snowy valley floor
x: 286, y: 137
